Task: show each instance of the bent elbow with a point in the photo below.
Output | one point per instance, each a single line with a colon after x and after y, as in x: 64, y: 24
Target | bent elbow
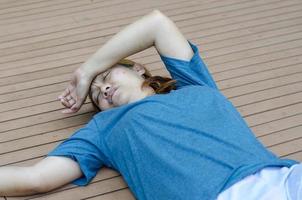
x: 158, y: 14
x: 161, y: 20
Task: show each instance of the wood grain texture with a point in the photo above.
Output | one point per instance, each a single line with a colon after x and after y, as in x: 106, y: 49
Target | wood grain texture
x: 252, y: 49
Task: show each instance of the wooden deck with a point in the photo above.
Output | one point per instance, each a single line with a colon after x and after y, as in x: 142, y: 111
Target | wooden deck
x: 252, y: 48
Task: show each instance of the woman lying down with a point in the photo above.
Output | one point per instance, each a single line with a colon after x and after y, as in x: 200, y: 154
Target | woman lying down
x: 171, y: 139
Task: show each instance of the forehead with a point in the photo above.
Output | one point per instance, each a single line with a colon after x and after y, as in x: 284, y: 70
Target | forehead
x: 114, y: 68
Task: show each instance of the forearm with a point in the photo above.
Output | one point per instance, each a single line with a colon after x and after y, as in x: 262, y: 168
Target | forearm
x: 136, y: 37
x: 15, y: 181
x: 48, y: 174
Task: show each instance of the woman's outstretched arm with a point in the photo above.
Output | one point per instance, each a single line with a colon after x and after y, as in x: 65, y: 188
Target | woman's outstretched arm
x: 154, y: 29
x: 48, y: 174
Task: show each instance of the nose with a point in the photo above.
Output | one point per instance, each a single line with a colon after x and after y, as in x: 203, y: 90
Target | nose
x: 106, y: 90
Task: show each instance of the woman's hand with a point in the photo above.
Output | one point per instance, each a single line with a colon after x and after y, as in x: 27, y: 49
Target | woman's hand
x: 76, y: 92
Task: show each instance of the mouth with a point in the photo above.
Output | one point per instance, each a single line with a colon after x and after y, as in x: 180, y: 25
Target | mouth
x: 111, y: 93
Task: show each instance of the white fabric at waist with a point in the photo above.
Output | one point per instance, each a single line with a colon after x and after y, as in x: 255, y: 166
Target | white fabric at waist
x: 267, y: 184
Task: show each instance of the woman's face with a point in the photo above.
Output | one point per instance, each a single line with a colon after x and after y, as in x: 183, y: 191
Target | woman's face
x: 117, y: 86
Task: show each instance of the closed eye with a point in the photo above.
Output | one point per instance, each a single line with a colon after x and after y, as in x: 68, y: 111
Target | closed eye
x: 106, y: 75
x: 97, y: 97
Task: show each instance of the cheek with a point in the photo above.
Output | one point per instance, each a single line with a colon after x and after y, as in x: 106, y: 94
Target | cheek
x: 123, y: 77
x: 118, y: 75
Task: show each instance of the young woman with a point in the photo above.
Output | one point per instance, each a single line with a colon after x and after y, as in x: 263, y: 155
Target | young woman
x: 170, y: 139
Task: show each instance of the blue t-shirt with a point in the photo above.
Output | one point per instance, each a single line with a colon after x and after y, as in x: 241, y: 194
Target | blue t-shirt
x: 188, y: 144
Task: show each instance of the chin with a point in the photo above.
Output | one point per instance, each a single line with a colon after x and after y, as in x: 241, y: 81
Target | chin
x: 120, y: 100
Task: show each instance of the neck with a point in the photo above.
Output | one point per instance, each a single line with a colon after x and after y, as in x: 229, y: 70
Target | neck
x: 144, y: 92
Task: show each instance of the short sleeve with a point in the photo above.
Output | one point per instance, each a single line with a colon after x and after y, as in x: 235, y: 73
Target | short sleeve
x: 193, y: 72
x: 83, y: 147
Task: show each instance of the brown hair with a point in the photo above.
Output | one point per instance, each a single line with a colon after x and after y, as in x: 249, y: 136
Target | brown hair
x: 160, y: 84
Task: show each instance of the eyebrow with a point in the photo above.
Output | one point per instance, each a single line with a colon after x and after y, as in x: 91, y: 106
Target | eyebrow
x: 97, y: 97
x: 104, y: 77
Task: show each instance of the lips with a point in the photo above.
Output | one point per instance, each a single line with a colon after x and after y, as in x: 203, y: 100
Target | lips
x: 110, y: 94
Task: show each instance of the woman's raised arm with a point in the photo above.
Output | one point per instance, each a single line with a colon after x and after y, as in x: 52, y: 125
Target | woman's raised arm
x: 153, y: 29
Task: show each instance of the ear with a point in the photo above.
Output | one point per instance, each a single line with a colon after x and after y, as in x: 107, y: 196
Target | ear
x: 139, y: 68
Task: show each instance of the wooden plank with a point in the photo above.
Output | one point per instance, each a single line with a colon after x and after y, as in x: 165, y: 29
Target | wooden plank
x: 140, y: 10
x: 124, y: 194
x: 272, y: 115
x: 295, y: 156
x: 266, y: 94
x: 34, y: 83
x: 70, y: 16
x: 252, y: 61
x: 135, y: 8
x: 76, y: 19
x: 62, y: 12
x: 282, y: 136
x: 23, y: 94
x: 93, y: 49
x: 45, y: 66
x: 102, y: 187
x: 61, y: 78
x: 277, y: 125
x: 64, y: 69
x: 45, y: 38
x: 14, y: 3
x: 39, y: 7
x: 252, y: 69
x: 31, y: 101
x: 42, y: 118
x: 271, y: 104
x: 261, y: 85
x: 70, y: 67
x: 227, y: 57
x: 42, y: 128
x: 287, y: 148
x: 214, y: 11
x: 268, y: 65
x: 26, y: 154
x: 40, y: 139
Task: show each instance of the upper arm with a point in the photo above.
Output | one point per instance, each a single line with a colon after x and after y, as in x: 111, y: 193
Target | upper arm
x: 180, y: 57
x: 169, y: 41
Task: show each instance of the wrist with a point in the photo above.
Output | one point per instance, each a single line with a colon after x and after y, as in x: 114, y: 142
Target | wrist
x: 88, y: 70
x: 84, y: 73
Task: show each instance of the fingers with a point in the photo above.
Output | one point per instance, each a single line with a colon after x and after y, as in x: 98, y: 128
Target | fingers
x: 73, y: 109
x: 64, y: 94
x: 68, y: 101
x: 68, y: 111
x: 76, y: 106
x: 74, y: 95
